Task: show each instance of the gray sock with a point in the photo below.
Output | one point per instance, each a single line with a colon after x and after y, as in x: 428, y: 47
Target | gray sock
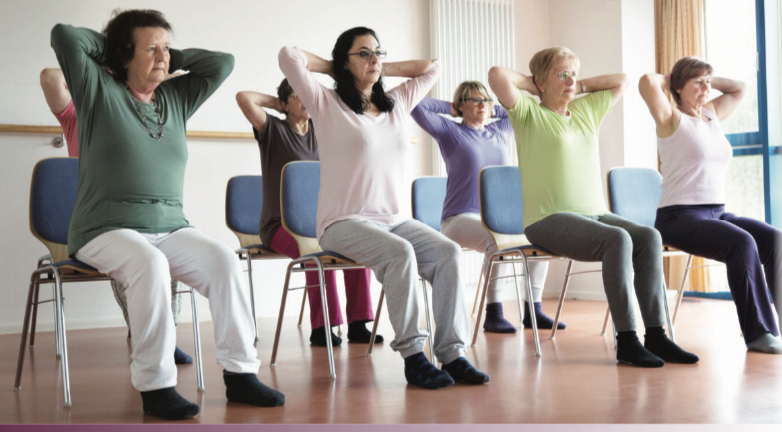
x: 766, y: 343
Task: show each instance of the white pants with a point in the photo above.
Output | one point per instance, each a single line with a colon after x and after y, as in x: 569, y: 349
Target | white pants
x: 467, y: 230
x: 145, y: 263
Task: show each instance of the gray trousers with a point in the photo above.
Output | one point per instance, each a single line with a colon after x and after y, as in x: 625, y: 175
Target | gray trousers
x: 467, y: 230
x: 624, y: 248
x: 397, y: 254
x: 122, y: 301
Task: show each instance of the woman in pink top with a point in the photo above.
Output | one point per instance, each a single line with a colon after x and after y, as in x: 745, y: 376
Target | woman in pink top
x: 362, y: 137
x: 694, y: 156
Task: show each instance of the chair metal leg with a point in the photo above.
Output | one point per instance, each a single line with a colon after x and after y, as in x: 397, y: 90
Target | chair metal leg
x: 534, y: 321
x: 668, y: 312
x: 279, y: 317
x: 605, y: 321
x: 37, y: 291
x: 326, y: 322
x: 60, y: 318
x: 681, y: 289
x: 518, y: 294
x: 25, y: 328
x: 562, y: 299
x: 432, y: 359
x: 377, y: 319
x: 57, y: 340
x: 303, y: 302
x: 197, y: 341
x: 489, y: 267
x: 478, y: 287
x: 252, y: 295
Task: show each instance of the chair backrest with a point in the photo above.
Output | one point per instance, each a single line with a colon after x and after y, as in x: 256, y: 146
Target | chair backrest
x: 52, y: 198
x: 299, y: 188
x: 243, y: 205
x: 502, y: 211
x: 633, y: 193
x: 428, y: 199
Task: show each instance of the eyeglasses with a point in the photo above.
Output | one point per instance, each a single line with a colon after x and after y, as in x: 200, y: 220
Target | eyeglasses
x: 365, y: 54
x: 563, y: 76
x: 478, y: 101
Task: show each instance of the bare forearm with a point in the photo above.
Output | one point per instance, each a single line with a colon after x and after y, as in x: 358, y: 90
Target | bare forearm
x: 406, y: 69
x: 727, y: 86
x: 317, y: 64
x: 602, y: 82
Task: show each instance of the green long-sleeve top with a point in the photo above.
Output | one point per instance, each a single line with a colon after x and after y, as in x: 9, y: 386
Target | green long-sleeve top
x: 128, y: 179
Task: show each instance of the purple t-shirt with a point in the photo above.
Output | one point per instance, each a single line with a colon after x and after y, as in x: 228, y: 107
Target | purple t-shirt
x: 466, y: 151
x: 279, y: 144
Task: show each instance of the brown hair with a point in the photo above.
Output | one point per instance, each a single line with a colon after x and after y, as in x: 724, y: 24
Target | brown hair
x: 684, y: 70
x: 120, y: 43
x: 463, y: 92
x: 543, y: 61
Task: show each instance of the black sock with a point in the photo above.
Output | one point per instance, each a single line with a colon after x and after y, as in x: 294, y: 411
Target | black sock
x: 419, y: 372
x: 461, y: 370
x: 181, y: 357
x: 167, y: 404
x: 358, y: 333
x: 659, y: 344
x: 543, y: 321
x: 318, y: 337
x: 630, y: 351
x: 247, y: 389
x: 495, y: 321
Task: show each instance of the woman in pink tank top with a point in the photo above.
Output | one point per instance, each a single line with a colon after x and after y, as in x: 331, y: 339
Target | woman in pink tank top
x: 691, y: 216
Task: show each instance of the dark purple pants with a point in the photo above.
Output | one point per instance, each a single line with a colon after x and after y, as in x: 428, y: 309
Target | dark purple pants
x: 745, y: 245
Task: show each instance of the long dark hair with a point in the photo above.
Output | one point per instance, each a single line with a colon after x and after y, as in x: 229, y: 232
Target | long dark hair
x: 120, y: 45
x: 345, y: 82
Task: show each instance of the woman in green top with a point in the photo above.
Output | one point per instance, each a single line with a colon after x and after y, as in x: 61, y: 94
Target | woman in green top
x: 128, y: 221
x: 564, y: 208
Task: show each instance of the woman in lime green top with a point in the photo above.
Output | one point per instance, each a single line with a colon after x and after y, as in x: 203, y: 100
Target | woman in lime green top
x: 128, y: 221
x: 564, y: 208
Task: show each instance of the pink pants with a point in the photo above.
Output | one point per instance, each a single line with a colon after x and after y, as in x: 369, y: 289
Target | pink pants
x: 357, y: 282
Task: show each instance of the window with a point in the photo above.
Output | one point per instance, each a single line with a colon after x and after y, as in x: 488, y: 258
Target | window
x: 734, y: 47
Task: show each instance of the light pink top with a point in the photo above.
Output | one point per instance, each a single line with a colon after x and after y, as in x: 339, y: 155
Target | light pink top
x: 361, y: 156
x: 67, y: 119
x: 694, y: 162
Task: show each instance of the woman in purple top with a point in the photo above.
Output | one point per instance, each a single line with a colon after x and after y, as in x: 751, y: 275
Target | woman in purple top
x: 467, y: 148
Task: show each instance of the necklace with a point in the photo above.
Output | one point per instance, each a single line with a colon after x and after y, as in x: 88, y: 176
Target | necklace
x: 158, y: 110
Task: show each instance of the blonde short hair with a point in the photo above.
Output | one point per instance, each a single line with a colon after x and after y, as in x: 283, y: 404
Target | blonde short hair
x: 543, y: 61
x: 463, y: 92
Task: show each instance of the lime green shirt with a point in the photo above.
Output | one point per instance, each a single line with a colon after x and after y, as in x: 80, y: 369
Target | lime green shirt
x: 559, y: 156
x: 128, y: 179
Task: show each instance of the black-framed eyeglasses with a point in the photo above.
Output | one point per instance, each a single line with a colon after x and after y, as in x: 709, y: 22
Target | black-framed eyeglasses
x: 365, y: 54
x: 478, y: 101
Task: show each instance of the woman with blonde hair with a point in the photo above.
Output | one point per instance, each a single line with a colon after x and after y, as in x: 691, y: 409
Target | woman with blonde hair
x: 564, y: 206
x: 467, y: 147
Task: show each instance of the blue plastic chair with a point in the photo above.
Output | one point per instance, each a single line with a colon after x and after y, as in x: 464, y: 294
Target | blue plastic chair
x: 428, y: 196
x: 502, y: 215
x: 52, y: 199
x: 634, y: 193
x: 243, y: 205
x: 299, y: 188
x: 428, y: 199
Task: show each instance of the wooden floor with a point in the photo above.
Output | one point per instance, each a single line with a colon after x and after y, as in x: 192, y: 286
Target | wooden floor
x: 576, y: 381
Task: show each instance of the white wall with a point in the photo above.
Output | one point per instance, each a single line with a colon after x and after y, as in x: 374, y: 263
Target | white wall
x: 609, y: 36
x: 252, y: 31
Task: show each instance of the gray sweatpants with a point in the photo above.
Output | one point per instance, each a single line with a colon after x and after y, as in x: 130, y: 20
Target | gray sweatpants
x: 397, y: 254
x: 623, y: 247
x: 467, y: 230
